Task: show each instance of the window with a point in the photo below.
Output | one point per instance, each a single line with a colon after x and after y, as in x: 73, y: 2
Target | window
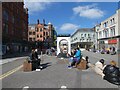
x: 112, y: 31
x: 41, y: 36
x: 44, y: 33
x: 30, y: 39
x: 33, y: 39
x: 100, y: 34
x: 33, y: 33
x: 37, y: 29
x: 5, y: 15
x: 37, y: 36
x: 30, y: 33
x: 13, y: 19
x: 44, y: 38
x: 81, y: 35
x: 5, y: 27
x: 105, y: 24
x: 113, y: 20
x: 40, y: 29
x: 85, y: 35
x: 12, y: 31
x: 89, y: 35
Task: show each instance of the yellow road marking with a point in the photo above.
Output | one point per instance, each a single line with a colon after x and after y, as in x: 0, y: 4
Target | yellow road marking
x: 10, y: 72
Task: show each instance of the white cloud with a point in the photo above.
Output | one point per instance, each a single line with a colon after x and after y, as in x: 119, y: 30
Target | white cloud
x: 36, y: 6
x: 89, y: 11
x: 69, y: 26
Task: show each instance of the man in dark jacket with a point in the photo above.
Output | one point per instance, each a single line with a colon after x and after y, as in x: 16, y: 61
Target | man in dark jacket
x: 112, y: 73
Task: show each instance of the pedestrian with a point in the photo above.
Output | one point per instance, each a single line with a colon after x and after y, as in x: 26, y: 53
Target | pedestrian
x: 112, y: 73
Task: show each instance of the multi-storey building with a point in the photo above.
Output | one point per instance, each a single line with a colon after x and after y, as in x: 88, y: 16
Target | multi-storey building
x: 31, y: 33
x: 108, y: 31
x: 82, y: 38
x: 14, y: 27
x: 42, y: 33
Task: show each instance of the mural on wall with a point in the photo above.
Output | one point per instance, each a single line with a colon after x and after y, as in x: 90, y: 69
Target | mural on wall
x: 63, y: 46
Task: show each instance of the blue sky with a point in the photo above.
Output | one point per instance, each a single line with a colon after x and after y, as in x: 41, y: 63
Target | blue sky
x: 67, y: 17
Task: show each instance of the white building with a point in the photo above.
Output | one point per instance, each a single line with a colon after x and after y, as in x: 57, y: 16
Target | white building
x: 108, y: 31
x: 83, y: 38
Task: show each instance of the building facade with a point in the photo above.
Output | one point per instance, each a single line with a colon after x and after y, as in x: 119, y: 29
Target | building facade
x: 42, y: 34
x: 31, y: 33
x: 82, y: 38
x: 108, y: 32
x: 14, y: 27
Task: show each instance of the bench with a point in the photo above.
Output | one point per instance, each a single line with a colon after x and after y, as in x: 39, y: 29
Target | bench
x: 82, y: 65
x: 30, y: 65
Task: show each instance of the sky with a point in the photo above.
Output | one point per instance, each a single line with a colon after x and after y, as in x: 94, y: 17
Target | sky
x: 67, y: 17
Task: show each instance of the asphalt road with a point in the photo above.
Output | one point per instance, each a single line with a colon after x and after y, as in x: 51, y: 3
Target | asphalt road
x: 56, y: 74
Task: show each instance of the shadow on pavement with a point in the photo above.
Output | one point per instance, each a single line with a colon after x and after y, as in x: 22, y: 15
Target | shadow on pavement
x: 45, y: 65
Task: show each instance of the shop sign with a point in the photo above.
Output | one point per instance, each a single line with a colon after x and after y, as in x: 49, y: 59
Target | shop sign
x: 112, y: 41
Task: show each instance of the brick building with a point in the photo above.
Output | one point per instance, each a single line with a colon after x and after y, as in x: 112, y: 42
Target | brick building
x: 42, y: 34
x: 14, y: 27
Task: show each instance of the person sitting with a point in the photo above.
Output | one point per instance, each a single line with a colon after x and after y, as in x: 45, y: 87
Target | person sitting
x: 88, y: 63
x: 99, y: 66
x: 34, y: 59
x: 76, y: 58
x: 31, y: 55
x: 112, y: 73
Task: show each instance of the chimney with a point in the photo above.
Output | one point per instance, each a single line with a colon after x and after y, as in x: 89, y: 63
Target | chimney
x: 43, y: 21
x: 38, y: 21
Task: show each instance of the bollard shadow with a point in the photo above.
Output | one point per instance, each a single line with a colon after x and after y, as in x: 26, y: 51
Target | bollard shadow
x: 45, y: 65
